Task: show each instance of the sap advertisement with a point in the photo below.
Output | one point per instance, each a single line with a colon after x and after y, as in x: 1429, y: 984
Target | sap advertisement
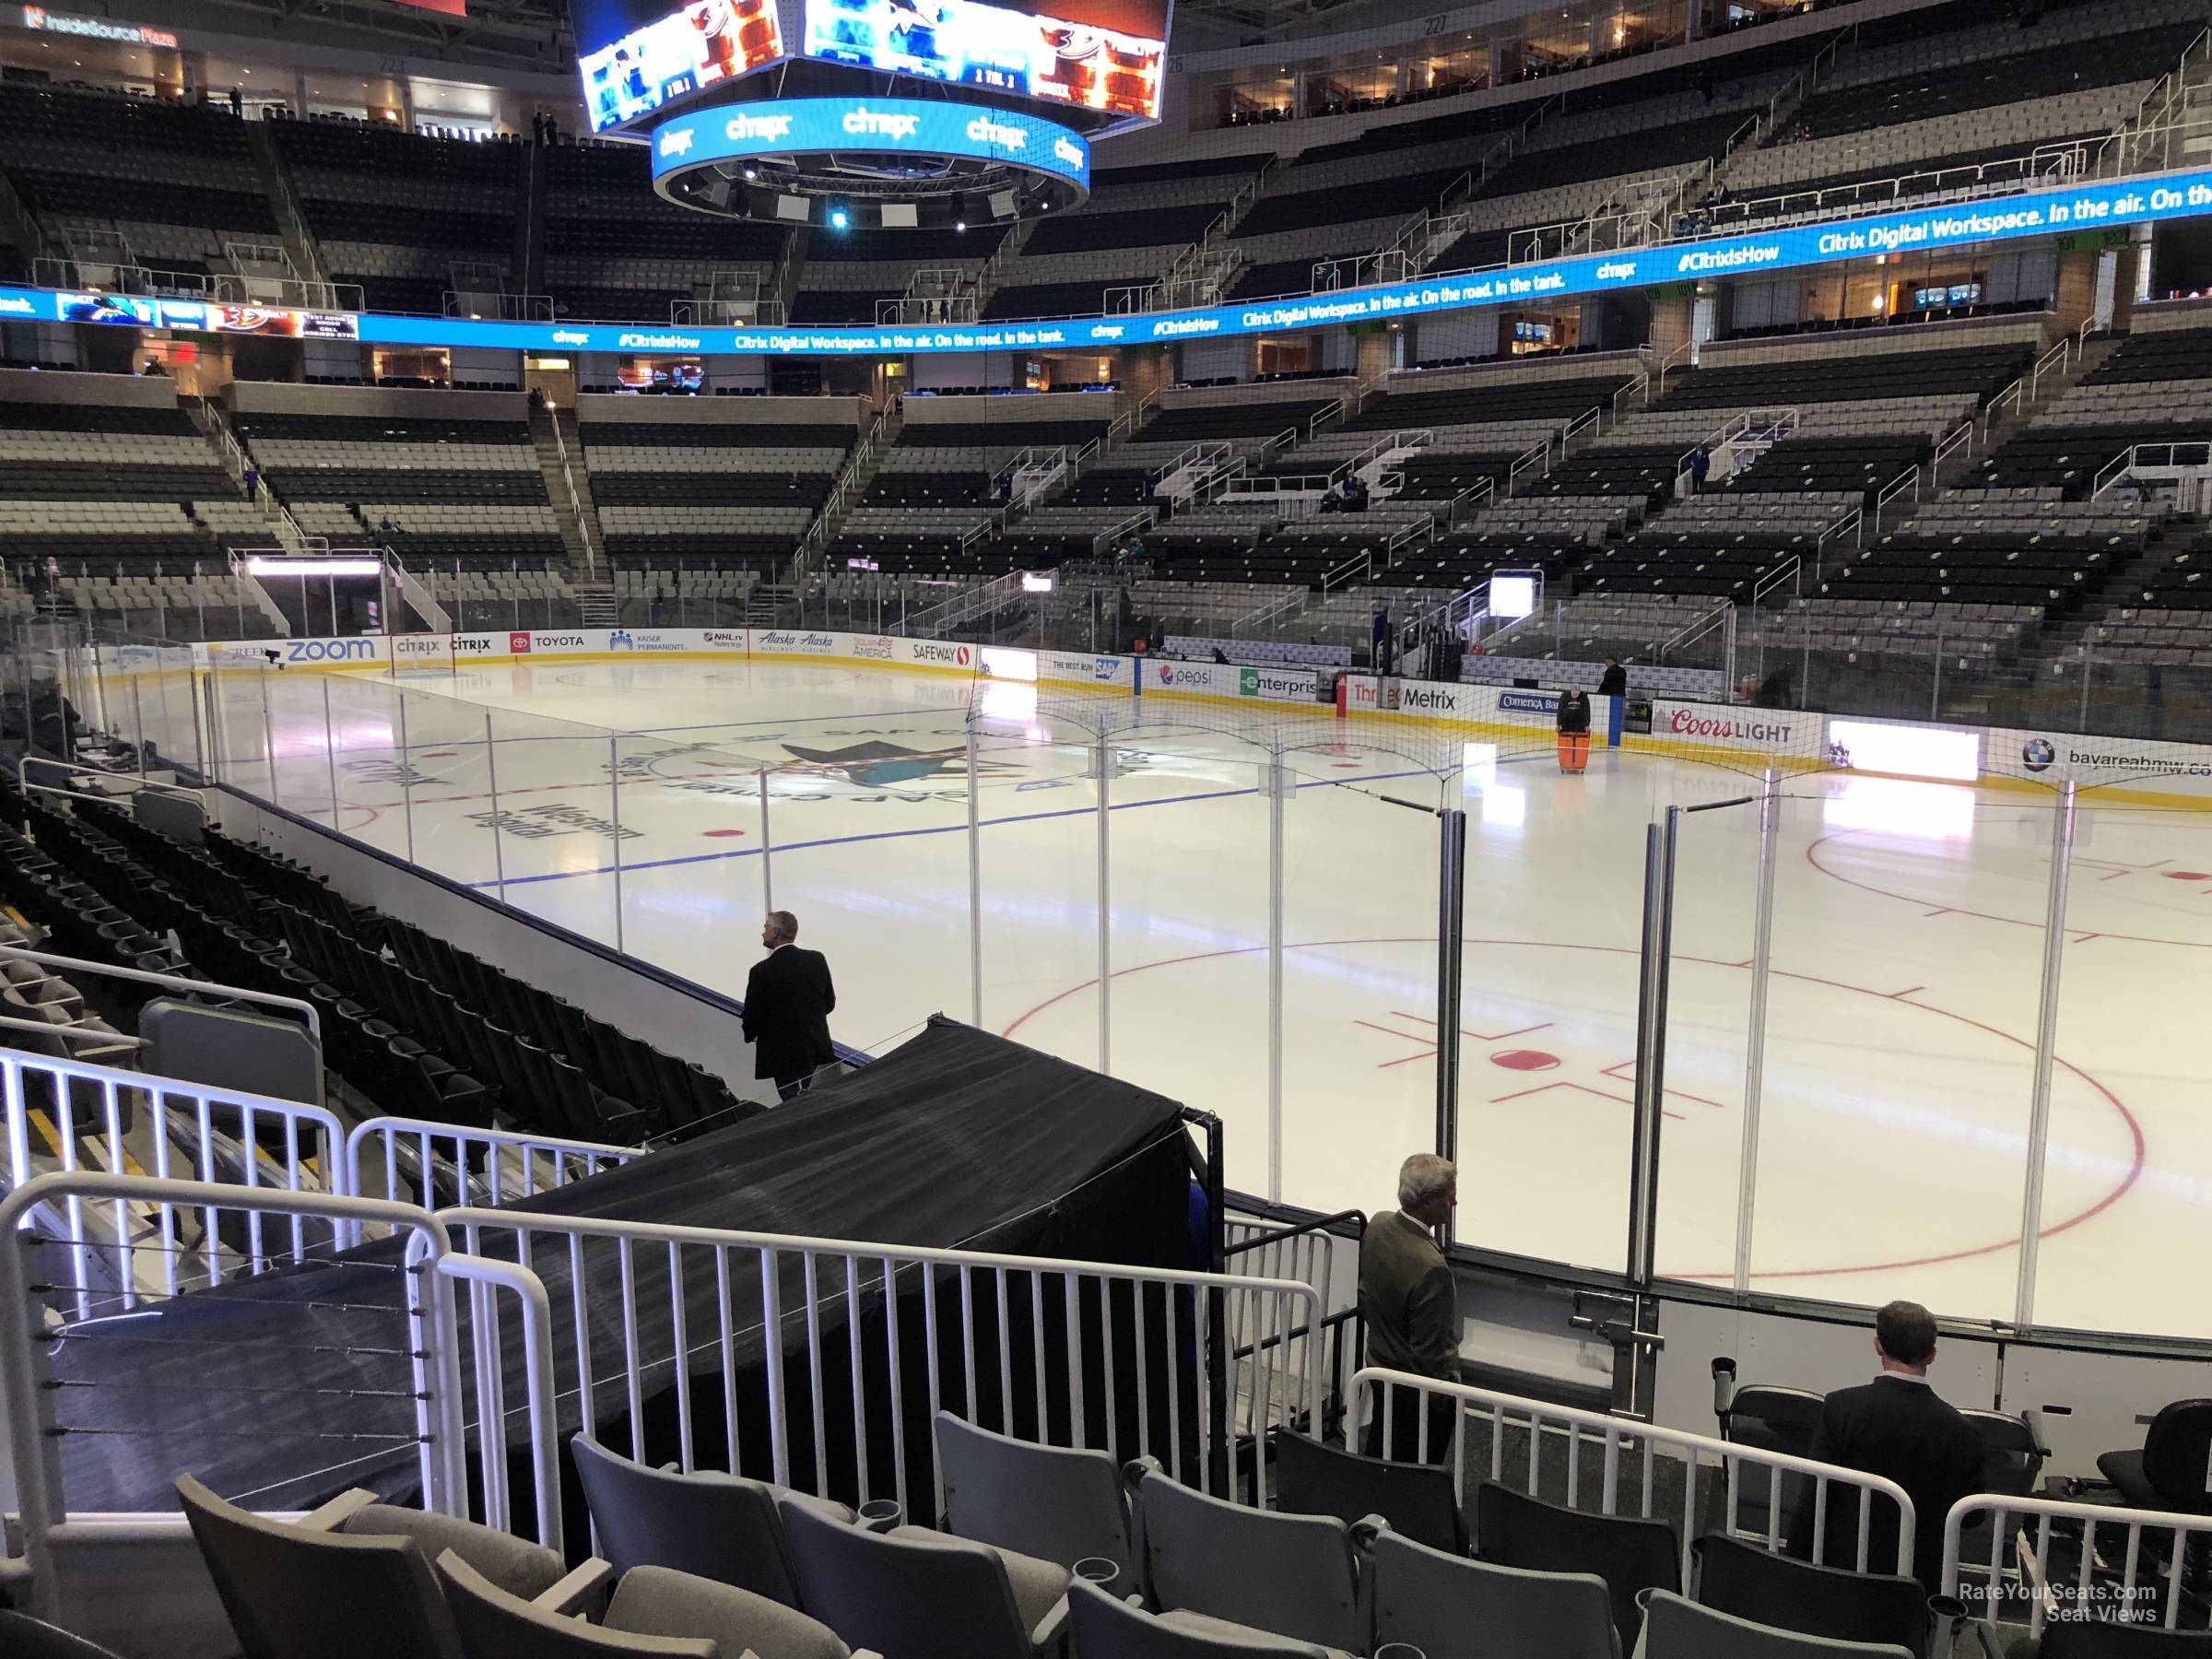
x: 2169, y: 196
x: 636, y: 55
x: 1093, y: 60
x: 798, y: 126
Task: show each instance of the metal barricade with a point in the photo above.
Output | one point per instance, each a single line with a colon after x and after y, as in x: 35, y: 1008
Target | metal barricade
x: 1617, y: 1438
x: 695, y: 1301
x: 430, y: 1416
x: 452, y: 1163
x: 186, y: 1127
x: 2025, y: 1525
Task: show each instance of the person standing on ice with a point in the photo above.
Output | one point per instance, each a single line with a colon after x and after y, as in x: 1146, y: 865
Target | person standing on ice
x: 1574, y: 729
x: 788, y: 1001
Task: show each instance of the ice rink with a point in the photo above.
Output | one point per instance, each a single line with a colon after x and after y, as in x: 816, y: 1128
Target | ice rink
x: 1907, y: 942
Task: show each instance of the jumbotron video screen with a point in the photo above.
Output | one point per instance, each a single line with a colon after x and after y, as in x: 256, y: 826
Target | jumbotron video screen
x: 638, y: 56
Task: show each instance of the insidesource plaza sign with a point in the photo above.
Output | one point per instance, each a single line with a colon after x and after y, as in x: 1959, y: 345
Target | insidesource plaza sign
x: 2175, y: 195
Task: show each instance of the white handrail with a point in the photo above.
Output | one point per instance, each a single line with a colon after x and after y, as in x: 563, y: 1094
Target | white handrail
x: 1615, y: 1436
x: 843, y: 1279
x: 314, y: 1144
x: 2082, y: 1596
x: 169, y: 981
x: 584, y: 533
x: 483, y: 1275
x: 454, y: 1143
x: 34, y: 1434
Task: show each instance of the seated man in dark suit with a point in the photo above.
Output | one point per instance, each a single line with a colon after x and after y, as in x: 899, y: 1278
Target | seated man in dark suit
x: 788, y: 1001
x: 1895, y: 1426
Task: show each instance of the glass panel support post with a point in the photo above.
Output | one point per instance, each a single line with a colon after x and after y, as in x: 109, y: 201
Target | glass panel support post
x: 2046, y: 1041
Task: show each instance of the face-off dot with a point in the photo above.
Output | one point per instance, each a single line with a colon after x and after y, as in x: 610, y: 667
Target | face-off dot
x: 1525, y: 1060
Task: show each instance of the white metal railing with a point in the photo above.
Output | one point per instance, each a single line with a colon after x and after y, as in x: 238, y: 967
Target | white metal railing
x: 435, y: 616
x: 1533, y: 459
x: 1257, y: 620
x: 817, y: 533
x: 1960, y: 435
x: 2128, y: 1600
x: 2153, y: 124
x: 36, y: 1410
x: 1682, y: 355
x: 2024, y: 391
x: 142, y: 1124
x: 568, y: 477
x: 1618, y: 1439
x: 933, y: 622
x: 2190, y: 455
x: 684, y: 1307
x: 74, y: 1104
x: 1721, y: 616
x: 1964, y: 182
x: 167, y: 981
x: 289, y: 219
x: 501, y: 1165
x: 1135, y: 525
x: 1896, y: 487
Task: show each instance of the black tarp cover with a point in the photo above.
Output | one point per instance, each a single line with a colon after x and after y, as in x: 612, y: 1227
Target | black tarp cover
x: 957, y: 1138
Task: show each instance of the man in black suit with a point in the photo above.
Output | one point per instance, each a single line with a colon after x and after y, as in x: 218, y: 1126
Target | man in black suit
x: 1896, y: 1427
x: 788, y: 1001
x: 1614, y: 681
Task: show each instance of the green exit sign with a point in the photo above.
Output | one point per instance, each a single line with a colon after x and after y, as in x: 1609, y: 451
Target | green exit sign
x: 2094, y: 242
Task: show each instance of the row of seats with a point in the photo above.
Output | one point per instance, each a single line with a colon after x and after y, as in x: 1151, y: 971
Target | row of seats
x: 1037, y: 1544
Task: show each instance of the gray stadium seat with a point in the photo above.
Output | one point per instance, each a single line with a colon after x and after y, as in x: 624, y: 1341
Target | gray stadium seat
x: 654, y: 1611
x: 1056, y: 1503
x: 1675, y: 1629
x: 910, y: 1594
x: 1450, y: 1608
x: 1290, y: 1574
x: 1105, y: 1627
x: 708, y: 1523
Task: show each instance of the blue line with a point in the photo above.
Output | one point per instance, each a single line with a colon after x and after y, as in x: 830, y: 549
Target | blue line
x: 1026, y: 817
x: 718, y: 725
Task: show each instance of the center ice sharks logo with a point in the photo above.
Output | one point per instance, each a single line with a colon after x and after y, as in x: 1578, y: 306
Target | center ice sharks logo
x: 878, y: 764
x: 872, y: 768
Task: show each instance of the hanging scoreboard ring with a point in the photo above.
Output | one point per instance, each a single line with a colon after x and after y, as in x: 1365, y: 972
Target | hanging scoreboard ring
x: 868, y: 163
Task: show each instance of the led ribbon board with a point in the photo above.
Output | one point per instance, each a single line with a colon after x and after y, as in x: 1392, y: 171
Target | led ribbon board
x: 2174, y: 195
x: 792, y: 127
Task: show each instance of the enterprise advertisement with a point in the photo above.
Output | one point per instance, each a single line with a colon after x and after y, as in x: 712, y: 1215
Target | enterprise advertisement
x: 2167, y: 196
x: 1056, y: 59
x: 801, y: 127
x: 636, y: 55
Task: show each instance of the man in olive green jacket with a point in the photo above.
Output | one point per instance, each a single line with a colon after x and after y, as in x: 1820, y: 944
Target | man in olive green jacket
x: 1409, y: 1308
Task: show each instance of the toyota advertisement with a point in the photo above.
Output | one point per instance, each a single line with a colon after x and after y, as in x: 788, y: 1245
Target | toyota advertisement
x: 636, y: 55
x: 1056, y: 59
